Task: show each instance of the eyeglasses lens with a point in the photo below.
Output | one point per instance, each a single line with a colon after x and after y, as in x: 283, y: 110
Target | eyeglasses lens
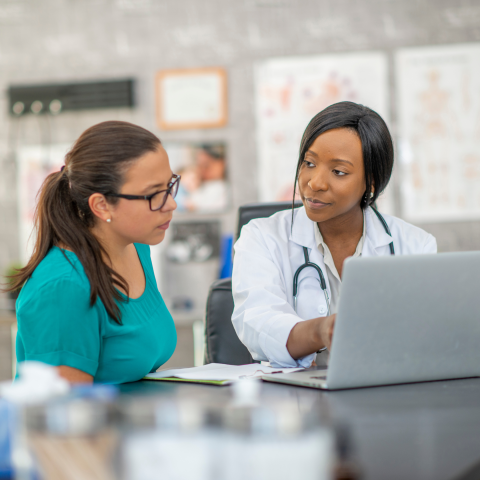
x: 159, y: 200
x: 175, y: 188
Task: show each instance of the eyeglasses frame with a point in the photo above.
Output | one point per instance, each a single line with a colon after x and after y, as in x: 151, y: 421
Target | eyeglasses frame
x: 171, y: 184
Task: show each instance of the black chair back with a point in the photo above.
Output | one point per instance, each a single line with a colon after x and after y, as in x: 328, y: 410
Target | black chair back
x: 260, y: 210
x: 222, y: 344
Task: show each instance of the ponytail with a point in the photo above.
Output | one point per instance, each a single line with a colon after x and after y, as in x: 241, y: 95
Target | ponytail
x: 96, y: 164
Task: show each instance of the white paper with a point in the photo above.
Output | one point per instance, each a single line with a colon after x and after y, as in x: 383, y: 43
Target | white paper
x: 439, y: 131
x: 220, y: 371
x: 291, y: 91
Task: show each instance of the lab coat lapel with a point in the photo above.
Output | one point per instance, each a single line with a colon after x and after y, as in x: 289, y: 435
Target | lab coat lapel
x: 302, y: 231
x: 376, y: 238
x: 303, y: 235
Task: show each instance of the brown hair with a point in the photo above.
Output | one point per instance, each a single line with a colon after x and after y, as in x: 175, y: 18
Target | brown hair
x: 96, y: 163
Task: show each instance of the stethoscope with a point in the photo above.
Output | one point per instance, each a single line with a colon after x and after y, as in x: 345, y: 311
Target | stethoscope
x: 323, y: 284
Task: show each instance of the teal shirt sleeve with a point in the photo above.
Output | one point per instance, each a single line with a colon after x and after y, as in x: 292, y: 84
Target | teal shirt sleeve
x: 59, y: 327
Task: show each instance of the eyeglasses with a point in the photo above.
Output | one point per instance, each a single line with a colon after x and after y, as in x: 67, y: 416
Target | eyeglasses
x: 158, y: 199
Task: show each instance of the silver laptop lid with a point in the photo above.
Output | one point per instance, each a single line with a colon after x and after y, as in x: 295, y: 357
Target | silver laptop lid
x: 406, y: 319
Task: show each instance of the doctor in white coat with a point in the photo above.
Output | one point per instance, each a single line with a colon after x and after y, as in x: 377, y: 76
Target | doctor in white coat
x: 345, y: 162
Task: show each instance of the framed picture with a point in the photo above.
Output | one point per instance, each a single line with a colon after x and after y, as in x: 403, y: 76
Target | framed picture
x: 191, y: 98
x: 204, y: 187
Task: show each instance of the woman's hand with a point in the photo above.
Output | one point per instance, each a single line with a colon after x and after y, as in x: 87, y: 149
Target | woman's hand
x: 310, y: 336
x: 326, y: 327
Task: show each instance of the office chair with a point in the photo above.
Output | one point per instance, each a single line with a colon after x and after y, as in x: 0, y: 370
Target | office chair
x: 222, y: 344
x: 260, y: 210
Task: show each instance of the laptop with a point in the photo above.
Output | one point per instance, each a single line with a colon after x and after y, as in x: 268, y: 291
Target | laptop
x: 402, y: 319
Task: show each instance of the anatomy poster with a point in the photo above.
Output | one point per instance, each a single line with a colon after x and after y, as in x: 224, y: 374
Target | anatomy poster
x: 291, y: 91
x: 35, y: 163
x: 439, y: 132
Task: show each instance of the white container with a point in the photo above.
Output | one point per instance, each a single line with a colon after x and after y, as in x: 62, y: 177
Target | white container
x: 179, y: 440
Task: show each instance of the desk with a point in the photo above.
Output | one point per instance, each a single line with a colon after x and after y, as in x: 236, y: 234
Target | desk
x: 421, y: 431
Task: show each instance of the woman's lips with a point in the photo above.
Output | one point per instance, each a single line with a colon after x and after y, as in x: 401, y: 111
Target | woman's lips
x: 316, y: 204
x: 164, y: 226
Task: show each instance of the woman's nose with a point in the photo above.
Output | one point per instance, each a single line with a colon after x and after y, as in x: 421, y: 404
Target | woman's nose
x: 170, y: 204
x: 318, y: 183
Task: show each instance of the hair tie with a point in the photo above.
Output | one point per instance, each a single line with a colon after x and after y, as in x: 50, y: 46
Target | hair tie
x: 62, y: 168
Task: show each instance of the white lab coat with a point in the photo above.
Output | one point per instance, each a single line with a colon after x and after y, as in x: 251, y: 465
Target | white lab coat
x: 267, y: 255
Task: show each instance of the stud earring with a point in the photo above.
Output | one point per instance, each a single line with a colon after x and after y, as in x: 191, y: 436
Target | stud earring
x: 109, y: 220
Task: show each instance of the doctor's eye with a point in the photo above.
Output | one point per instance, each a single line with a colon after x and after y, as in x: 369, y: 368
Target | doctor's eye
x: 339, y: 173
x: 308, y: 164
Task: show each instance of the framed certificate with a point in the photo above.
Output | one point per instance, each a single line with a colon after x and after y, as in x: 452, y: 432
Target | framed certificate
x: 191, y: 98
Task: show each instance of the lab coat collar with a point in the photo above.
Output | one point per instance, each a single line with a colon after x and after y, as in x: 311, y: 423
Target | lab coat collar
x: 302, y: 232
x: 376, y: 237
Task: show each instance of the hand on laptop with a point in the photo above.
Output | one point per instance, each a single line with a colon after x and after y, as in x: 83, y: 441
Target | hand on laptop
x: 310, y: 336
x: 326, y: 327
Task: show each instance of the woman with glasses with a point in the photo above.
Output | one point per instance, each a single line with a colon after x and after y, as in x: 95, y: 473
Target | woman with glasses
x: 89, y: 302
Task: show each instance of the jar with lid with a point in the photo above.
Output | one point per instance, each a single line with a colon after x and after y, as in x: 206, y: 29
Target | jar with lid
x: 276, y: 442
x: 72, y: 438
x: 168, y: 438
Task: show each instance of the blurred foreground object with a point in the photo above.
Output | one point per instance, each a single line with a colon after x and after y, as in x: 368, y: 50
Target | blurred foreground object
x: 38, y: 382
x: 62, y: 431
x: 72, y: 439
x: 6, y: 428
x: 179, y: 438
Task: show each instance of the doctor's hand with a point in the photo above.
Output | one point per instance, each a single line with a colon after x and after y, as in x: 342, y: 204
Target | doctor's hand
x: 310, y: 336
x: 326, y: 326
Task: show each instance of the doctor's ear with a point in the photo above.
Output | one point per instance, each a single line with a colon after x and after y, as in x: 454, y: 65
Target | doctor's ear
x: 367, y: 195
x: 100, y: 207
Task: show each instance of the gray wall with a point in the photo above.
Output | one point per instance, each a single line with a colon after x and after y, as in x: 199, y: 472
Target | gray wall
x: 65, y: 40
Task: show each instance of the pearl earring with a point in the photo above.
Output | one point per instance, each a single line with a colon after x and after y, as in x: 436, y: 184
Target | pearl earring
x: 109, y: 220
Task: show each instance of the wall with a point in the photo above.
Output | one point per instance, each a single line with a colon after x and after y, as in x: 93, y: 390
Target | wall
x: 65, y: 40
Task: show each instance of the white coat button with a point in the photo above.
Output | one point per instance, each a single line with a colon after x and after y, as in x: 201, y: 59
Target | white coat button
x: 322, y: 310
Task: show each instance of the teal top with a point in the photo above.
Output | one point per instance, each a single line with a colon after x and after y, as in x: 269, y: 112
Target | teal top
x: 57, y: 325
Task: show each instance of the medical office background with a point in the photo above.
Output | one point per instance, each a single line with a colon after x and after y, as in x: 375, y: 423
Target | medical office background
x: 267, y: 67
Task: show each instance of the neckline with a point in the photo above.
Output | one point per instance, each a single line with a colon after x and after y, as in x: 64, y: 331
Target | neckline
x: 321, y: 242
x: 130, y: 299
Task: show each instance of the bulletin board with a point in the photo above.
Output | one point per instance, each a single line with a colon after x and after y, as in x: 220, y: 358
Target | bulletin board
x: 191, y: 98
x: 291, y: 91
x: 438, y: 101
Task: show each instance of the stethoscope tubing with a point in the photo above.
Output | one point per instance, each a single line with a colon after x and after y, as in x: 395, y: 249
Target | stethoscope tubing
x: 323, y: 283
